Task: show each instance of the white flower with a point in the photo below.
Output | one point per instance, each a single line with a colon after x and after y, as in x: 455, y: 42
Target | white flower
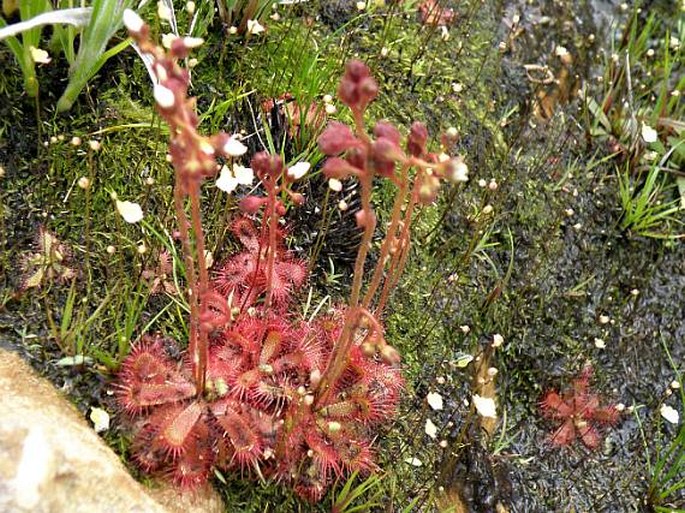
x: 414, y: 462
x: 100, y: 419
x: 164, y: 96
x: 39, y: 56
x: 670, y: 414
x: 431, y: 429
x: 132, y: 21
x: 434, y: 400
x: 485, y: 406
x: 298, y: 170
x: 230, y: 179
x: 254, y: 27
x: 649, y: 134
x: 244, y: 175
x: 234, y: 148
x: 227, y: 182
x: 497, y: 339
x: 131, y: 212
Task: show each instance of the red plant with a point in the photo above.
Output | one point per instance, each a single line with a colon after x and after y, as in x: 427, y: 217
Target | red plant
x: 261, y: 390
x: 244, y: 277
x: 579, y: 412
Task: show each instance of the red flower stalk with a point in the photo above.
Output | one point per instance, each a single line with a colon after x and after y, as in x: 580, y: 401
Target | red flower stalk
x: 579, y: 412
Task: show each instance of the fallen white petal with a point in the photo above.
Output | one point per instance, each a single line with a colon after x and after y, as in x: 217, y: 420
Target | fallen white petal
x: 100, y: 419
x: 254, y: 27
x: 434, y: 400
x: 39, y: 56
x: 649, y: 134
x: 670, y: 414
x: 431, y: 429
x: 335, y: 185
x: 131, y: 212
x: 485, y: 406
x: 415, y: 462
x: 298, y: 170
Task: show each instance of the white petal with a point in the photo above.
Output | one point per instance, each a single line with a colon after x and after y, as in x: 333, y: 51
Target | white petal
x: 209, y: 259
x: 497, y: 339
x: 649, y: 134
x: 131, y: 212
x: 132, y: 21
x: 168, y: 39
x: 335, y: 185
x: 254, y: 27
x: 243, y: 175
x: 234, y: 148
x: 298, y: 170
x: 192, y: 42
x: 226, y: 181
x: 415, y: 462
x: 39, y: 56
x: 100, y: 419
x: 164, y: 96
x: 163, y: 11
x: 434, y: 400
x: 670, y: 414
x: 485, y: 406
x: 431, y: 429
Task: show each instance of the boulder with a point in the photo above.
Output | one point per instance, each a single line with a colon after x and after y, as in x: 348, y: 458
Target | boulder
x: 51, y: 460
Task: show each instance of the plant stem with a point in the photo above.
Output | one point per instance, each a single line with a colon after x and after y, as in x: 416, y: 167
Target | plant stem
x: 192, y: 286
x: 400, y: 199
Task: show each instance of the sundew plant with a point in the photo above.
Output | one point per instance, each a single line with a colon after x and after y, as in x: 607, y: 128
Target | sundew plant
x: 261, y: 390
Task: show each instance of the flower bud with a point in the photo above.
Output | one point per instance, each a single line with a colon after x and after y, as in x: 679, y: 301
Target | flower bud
x: 388, y: 131
x: 337, y: 168
x: 416, y: 141
x: 336, y: 138
x: 251, y: 204
x: 297, y: 198
x: 265, y: 164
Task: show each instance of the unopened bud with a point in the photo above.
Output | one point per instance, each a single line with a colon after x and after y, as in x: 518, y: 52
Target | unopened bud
x: 132, y: 21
